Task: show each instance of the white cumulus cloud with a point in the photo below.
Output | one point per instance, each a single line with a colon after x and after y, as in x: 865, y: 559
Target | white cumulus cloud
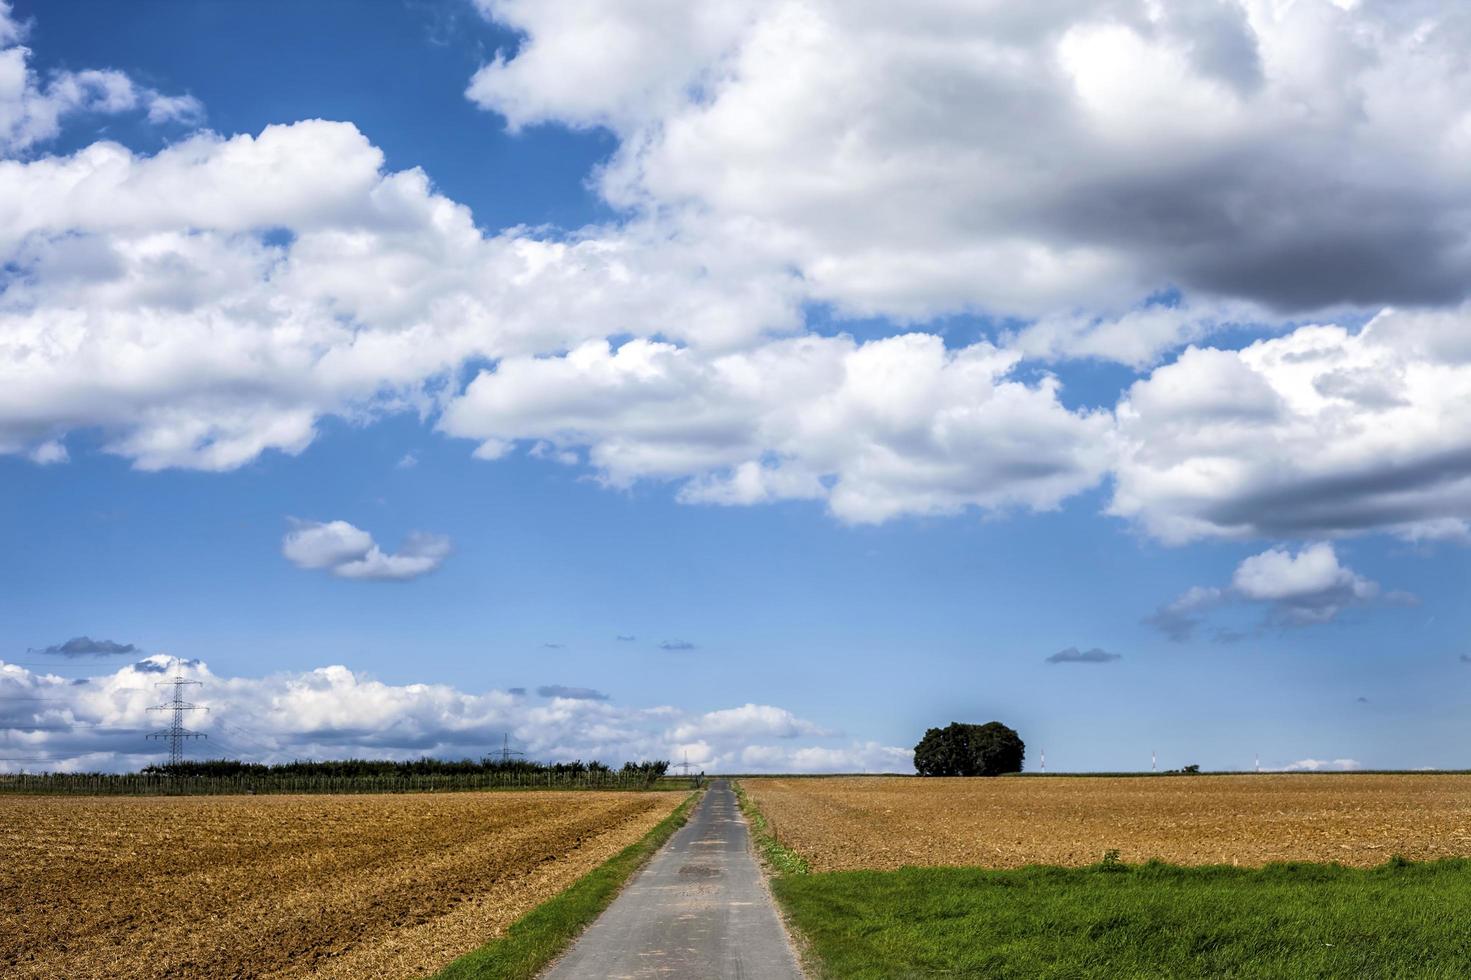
x: 888, y: 427
x: 1279, y: 575
x: 1065, y: 162
x: 350, y: 552
x: 1295, y: 588
x: 211, y: 302
x: 33, y: 109
x: 99, y: 723
x: 1323, y: 431
x: 1322, y: 765
x: 1103, y: 181
x: 749, y: 720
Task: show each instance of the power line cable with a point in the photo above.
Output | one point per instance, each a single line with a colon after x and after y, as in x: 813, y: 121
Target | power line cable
x: 249, y: 737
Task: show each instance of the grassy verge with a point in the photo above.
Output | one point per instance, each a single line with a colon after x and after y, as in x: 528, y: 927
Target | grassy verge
x: 537, y: 937
x: 1154, y: 920
x: 777, y: 855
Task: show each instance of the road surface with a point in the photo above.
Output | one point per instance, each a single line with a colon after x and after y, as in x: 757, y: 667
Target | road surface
x: 699, y: 909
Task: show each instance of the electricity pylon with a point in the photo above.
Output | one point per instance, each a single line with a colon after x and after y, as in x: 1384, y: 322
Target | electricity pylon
x: 507, y: 753
x: 176, y: 732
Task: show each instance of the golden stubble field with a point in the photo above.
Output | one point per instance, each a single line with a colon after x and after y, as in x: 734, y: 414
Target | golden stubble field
x: 277, y: 886
x: 890, y: 822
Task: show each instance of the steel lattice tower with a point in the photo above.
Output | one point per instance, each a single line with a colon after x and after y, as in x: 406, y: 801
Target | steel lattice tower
x: 508, y: 753
x: 176, y: 732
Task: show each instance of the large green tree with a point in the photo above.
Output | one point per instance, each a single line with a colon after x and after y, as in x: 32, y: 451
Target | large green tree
x: 969, y: 750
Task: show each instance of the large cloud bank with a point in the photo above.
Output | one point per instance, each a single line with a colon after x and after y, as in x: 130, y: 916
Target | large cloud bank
x: 1116, y: 181
x: 1031, y: 159
x: 99, y: 723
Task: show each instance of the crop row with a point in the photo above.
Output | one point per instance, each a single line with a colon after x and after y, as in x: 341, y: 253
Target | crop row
x: 333, y: 887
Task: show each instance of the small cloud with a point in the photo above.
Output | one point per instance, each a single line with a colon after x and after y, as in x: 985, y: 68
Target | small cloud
x: 553, y: 646
x: 1180, y: 619
x: 676, y: 645
x: 571, y: 693
x: 407, y: 462
x: 1311, y: 583
x: 48, y: 453
x: 1363, y: 700
x: 85, y: 646
x: 1323, y: 765
x: 748, y: 721
x: 184, y: 109
x: 1308, y: 587
x: 1295, y: 589
x: 162, y: 664
x: 1466, y: 658
x: 493, y: 449
x: 1072, y: 655
x: 625, y: 638
x: 350, y: 552
x: 545, y: 450
x: 518, y: 691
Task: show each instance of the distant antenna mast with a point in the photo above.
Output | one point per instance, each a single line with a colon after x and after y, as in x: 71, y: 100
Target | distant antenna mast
x: 1258, y: 762
x: 507, y: 753
x: 176, y: 732
x: 1153, y: 761
x: 1044, y: 760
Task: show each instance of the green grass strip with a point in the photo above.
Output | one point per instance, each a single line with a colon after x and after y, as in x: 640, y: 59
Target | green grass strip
x: 536, y: 938
x: 1402, y: 919
x: 781, y: 858
x: 1114, y: 920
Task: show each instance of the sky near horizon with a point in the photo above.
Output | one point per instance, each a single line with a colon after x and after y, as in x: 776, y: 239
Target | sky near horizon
x: 756, y: 381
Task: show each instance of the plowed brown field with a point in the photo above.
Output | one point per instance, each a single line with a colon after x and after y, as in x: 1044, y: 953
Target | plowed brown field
x: 845, y: 823
x: 275, y: 886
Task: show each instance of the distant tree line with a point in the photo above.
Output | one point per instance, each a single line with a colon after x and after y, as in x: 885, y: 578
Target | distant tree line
x: 388, y: 768
x: 226, y: 776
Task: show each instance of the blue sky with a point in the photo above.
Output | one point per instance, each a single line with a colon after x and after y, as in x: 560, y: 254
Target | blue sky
x: 911, y: 545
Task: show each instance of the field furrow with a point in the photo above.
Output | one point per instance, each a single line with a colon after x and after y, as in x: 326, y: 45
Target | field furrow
x: 334, y: 886
x: 891, y: 822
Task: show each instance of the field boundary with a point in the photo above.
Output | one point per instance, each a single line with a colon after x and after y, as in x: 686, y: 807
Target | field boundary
x: 539, y: 936
x: 778, y: 856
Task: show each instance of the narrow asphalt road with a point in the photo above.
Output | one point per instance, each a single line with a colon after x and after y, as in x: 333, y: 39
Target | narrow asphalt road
x: 699, y: 909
